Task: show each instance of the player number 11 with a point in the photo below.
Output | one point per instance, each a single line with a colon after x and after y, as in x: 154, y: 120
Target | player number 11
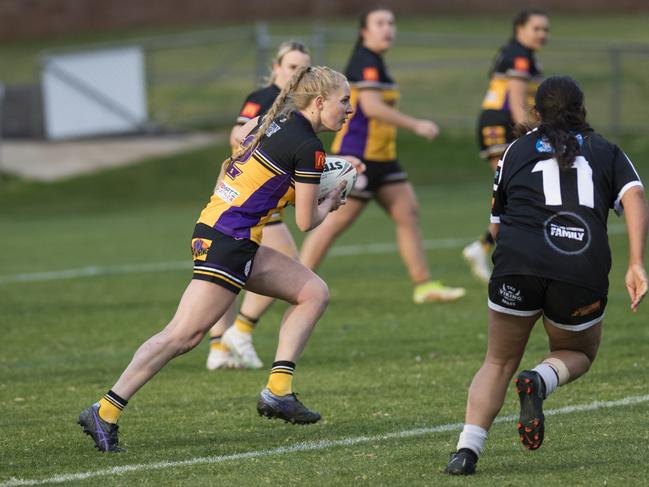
x: 552, y: 181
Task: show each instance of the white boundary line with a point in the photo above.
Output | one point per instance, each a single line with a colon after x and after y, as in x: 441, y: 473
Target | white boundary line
x: 337, y: 251
x: 306, y: 446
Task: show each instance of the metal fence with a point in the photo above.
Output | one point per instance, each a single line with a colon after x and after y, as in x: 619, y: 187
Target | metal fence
x: 199, y: 80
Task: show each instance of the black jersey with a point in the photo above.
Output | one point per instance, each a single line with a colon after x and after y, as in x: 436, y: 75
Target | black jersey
x: 513, y: 61
x: 257, y: 103
x: 553, y: 222
x: 262, y: 181
x: 363, y: 137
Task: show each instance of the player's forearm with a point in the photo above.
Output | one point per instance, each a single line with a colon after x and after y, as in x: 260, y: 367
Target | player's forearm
x: 636, y: 215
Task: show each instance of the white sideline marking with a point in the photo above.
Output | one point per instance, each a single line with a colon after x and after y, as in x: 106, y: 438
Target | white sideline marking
x: 336, y: 251
x: 310, y: 446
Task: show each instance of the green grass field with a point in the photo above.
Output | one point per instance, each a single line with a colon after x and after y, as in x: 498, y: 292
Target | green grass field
x: 378, y: 368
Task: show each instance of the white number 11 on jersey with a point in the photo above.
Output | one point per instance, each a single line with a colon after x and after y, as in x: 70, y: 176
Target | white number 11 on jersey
x: 552, y: 181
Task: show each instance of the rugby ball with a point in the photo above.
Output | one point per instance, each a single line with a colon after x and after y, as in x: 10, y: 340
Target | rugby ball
x: 336, y: 169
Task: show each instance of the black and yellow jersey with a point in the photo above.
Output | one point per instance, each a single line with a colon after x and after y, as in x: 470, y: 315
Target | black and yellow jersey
x: 513, y: 61
x: 263, y: 180
x: 553, y: 222
x: 363, y: 137
x: 258, y: 103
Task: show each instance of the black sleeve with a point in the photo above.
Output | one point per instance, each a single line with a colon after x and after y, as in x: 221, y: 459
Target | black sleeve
x: 309, y: 161
x: 366, y: 70
x: 255, y: 104
x: 498, y: 199
x: 624, y: 177
x: 515, y: 63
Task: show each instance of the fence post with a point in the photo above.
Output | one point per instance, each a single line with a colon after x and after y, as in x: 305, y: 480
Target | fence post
x: 262, y: 41
x: 2, y: 96
x: 615, y: 95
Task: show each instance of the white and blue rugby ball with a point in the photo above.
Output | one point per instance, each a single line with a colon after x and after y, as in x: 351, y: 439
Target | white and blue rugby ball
x: 336, y: 169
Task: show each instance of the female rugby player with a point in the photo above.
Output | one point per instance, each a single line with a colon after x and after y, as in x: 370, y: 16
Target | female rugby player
x: 279, y: 164
x: 553, y: 190
x: 370, y: 135
x: 231, y: 346
x: 514, y: 78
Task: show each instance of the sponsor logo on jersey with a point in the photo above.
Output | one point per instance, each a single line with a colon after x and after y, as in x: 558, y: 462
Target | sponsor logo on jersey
x: 567, y: 233
x: 543, y: 145
x: 272, y: 129
x: 250, y: 109
x: 370, y: 74
x: 226, y: 192
x: 510, y: 295
x: 521, y: 64
x: 200, y: 247
x: 320, y: 159
x: 574, y: 233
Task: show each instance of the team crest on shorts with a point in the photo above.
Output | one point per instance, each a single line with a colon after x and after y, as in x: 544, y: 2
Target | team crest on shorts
x: 510, y: 295
x: 200, y: 247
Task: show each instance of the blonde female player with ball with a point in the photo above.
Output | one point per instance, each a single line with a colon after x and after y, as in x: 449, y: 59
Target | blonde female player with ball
x: 280, y: 149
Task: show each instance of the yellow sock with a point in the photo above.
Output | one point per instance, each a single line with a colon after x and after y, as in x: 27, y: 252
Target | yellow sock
x: 245, y: 324
x: 280, y: 381
x: 111, y: 407
x: 216, y: 344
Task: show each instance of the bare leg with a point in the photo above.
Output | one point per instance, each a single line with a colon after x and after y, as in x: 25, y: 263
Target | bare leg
x: 276, y: 237
x: 274, y: 274
x: 318, y: 241
x: 507, y: 338
x: 200, y: 306
x: 400, y: 202
x: 577, y: 350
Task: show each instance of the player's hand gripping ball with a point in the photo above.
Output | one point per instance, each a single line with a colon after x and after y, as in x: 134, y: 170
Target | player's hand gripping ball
x: 335, y: 171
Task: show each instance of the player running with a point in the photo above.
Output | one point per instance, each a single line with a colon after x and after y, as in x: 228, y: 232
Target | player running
x: 552, y: 194
x: 279, y: 164
x: 370, y: 135
x: 231, y: 346
x: 515, y: 76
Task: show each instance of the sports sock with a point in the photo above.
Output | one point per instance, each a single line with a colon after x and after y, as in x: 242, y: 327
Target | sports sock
x: 472, y: 438
x: 549, y: 376
x: 216, y: 344
x: 111, y: 407
x: 487, y: 239
x: 280, y: 381
x: 245, y: 324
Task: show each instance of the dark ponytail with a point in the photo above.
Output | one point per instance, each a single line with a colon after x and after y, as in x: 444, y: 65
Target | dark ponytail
x: 560, y: 103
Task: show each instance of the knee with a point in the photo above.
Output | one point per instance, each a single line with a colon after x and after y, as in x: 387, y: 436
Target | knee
x: 407, y: 215
x: 180, y: 342
x: 316, y: 292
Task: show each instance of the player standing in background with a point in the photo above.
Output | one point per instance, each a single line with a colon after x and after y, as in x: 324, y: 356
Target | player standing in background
x: 231, y: 346
x: 279, y: 164
x: 552, y: 194
x: 370, y: 135
x: 514, y: 78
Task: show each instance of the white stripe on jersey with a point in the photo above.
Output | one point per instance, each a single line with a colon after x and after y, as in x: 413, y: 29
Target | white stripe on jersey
x: 617, y: 206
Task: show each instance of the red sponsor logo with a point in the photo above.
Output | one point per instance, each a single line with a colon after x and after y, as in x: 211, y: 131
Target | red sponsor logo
x: 250, y: 110
x: 370, y: 74
x: 521, y: 64
x: 319, y: 159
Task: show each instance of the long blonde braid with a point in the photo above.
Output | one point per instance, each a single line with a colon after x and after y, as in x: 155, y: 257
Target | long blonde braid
x: 306, y: 83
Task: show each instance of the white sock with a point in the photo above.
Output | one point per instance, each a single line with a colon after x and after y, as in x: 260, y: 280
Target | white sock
x: 549, y: 376
x: 473, y: 438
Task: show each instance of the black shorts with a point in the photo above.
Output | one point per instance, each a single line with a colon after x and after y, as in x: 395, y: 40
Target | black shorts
x: 566, y: 306
x: 222, y: 259
x: 377, y: 174
x: 495, y: 132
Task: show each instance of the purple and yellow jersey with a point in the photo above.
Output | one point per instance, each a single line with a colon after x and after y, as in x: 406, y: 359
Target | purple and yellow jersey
x: 363, y: 137
x: 513, y: 61
x: 262, y: 181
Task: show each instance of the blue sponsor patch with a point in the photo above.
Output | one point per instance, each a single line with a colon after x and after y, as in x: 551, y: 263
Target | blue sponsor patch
x: 543, y: 145
x: 580, y: 139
